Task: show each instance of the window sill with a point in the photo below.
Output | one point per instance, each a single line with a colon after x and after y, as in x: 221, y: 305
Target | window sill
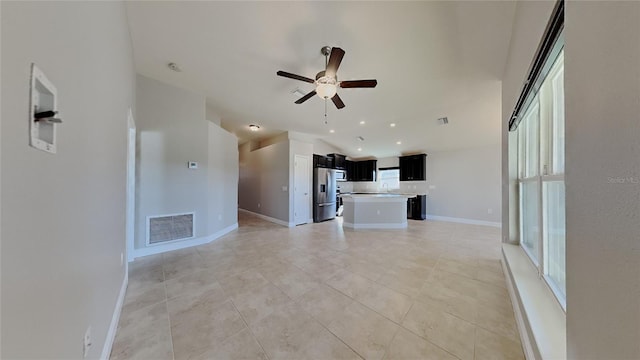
x: 541, y: 320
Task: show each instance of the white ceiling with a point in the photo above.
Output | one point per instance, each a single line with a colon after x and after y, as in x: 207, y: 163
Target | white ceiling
x: 431, y: 59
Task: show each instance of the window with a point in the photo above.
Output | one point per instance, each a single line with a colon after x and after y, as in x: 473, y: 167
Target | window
x: 389, y: 178
x: 541, y: 164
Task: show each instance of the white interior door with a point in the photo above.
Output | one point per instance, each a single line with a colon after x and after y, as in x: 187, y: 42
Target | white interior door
x: 301, y: 193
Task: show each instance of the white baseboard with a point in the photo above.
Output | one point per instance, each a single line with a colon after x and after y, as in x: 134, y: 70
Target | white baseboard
x: 522, y: 329
x: 157, y: 249
x: 115, y: 318
x: 375, y: 226
x: 464, y: 221
x: 269, y: 218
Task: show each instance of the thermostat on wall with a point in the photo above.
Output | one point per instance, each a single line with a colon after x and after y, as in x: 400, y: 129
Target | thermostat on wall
x: 193, y: 165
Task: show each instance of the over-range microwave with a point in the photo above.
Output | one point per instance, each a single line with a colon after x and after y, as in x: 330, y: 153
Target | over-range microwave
x: 341, y: 175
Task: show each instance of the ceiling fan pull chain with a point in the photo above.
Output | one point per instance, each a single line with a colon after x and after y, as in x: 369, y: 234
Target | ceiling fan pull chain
x: 325, y: 111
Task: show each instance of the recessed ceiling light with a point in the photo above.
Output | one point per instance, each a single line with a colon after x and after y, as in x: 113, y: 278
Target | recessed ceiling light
x: 254, y: 127
x: 399, y: 142
x: 332, y: 131
x: 392, y: 124
x: 359, y: 149
x: 173, y: 66
x: 362, y: 122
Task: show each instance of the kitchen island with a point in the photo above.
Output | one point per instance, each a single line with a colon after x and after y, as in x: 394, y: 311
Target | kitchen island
x: 375, y: 211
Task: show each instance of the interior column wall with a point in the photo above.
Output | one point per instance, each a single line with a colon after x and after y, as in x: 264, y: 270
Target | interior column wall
x: 63, y: 214
x: 602, y: 92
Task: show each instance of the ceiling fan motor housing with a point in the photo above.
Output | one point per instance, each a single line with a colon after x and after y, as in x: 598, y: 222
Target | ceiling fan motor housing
x: 326, y: 86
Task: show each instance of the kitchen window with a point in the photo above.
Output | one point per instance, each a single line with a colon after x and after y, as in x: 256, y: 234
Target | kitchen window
x: 389, y: 178
x: 541, y: 164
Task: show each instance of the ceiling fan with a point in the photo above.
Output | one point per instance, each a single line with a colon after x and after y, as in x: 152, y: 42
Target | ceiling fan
x: 327, y: 81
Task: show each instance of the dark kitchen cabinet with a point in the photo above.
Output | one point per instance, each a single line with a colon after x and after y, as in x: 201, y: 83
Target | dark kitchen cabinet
x: 417, y: 207
x: 361, y: 170
x: 412, y: 167
x: 350, y: 169
x: 321, y: 161
x: 339, y: 161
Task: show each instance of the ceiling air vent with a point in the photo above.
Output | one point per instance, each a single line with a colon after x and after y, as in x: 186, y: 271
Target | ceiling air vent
x: 443, y: 121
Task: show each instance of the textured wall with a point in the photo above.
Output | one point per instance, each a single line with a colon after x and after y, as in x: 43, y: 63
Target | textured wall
x: 602, y: 92
x: 465, y: 184
x: 63, y: 215
x: 172, y: 131
x: 263, y: 173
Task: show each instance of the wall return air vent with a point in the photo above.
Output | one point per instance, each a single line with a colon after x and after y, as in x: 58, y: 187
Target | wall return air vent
x: 166, y: 228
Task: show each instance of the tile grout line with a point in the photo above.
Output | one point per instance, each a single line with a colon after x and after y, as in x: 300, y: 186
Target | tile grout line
x: 335, y: 335
x: 166, y: 302
x: 431, y: 342
x: 248, y: 328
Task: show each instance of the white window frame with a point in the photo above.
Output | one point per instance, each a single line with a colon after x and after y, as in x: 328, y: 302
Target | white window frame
x: 545, y: 173
x: 380, y: 181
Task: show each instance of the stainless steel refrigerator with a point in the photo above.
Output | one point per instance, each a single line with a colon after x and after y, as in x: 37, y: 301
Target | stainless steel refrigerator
x: 324, y: 194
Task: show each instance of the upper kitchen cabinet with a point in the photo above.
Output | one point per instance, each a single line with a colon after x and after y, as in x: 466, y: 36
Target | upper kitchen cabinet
x: 412, y: 167
x: 321, y: 161
x: 339, y: 161
x: 361, y: 170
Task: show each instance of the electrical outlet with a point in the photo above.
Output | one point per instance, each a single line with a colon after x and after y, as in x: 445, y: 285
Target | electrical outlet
x: 86, y: 343
x: 219, y: 217
x: 489, y: 211
x: 378, y: 211
x: 258, y: 204
x: 121, y: 259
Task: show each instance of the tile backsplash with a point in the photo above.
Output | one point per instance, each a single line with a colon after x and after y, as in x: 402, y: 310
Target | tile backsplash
x: 413, y: 187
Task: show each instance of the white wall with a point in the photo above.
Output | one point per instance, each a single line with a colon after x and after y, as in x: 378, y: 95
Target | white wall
x: 172, y: 131
x: 222, y: 185
x: 322, y: 147
x: 63, y: 215
x: 602, y: 88
x: 263, y: 173
x: 465, y: 184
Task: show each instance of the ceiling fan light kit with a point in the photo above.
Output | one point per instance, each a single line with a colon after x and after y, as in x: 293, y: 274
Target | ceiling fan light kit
x: 326, y: 81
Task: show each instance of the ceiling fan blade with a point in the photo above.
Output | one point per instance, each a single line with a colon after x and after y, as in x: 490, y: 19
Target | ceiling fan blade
x: 359, y: 84
x: 294, y: 76
x: 335, y: 58
x: 337, y: 101
x: 306, y: 97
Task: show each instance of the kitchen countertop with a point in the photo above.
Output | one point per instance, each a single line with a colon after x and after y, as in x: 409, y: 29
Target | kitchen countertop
x: 381, y: 194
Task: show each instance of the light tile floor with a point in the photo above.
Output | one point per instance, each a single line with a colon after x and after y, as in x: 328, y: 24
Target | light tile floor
x: 433, y: 291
